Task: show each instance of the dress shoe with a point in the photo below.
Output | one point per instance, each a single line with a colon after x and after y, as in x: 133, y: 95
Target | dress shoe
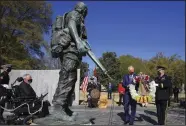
x: 126, y: 122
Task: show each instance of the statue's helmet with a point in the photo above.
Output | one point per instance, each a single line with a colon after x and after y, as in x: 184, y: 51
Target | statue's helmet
x: 81, y: 8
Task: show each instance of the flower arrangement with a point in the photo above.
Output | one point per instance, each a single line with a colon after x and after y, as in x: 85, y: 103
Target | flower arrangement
x: 103, y: 102
x: 146, y: 89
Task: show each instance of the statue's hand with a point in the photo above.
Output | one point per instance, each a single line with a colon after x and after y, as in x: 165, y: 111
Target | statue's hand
x: 82, y: 49
x: 57, y: 48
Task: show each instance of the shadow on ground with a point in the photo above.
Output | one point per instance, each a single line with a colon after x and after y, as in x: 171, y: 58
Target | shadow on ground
x: 121, y: 115
x: 148, y: 119
x: 150, y: 112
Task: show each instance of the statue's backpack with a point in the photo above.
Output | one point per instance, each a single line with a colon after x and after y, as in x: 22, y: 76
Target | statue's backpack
x: 60, y: 36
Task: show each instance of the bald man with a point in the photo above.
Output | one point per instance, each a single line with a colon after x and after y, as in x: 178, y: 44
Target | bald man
x: 25, y: 89
x: 128, y: 101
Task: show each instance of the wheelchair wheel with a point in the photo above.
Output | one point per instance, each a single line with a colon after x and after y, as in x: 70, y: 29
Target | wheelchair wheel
x: 28, y: 120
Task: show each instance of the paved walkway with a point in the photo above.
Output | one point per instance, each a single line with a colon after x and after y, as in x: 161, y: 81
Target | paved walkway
x: 144, y: 116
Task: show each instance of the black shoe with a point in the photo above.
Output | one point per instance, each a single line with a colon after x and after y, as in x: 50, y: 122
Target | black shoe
x: 126, y: 122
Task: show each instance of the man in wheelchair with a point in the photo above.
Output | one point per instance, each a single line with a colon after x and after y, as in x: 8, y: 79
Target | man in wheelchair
x: 24, y: 93
x: 22, y: 102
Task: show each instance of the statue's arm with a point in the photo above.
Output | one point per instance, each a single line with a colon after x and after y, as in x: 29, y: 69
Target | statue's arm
x: 84, y: 35
x: 73, y: 30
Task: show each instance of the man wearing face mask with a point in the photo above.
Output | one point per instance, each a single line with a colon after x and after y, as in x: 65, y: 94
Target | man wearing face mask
x: 25, y: 89
x: 4, y: 80
x: 128, y: 101
x: 162, y: 94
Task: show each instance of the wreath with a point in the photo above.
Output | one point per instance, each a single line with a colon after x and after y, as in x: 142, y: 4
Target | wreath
x: 145, y: 82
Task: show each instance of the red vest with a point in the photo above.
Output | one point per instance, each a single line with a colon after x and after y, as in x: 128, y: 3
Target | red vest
x: 121, y: 89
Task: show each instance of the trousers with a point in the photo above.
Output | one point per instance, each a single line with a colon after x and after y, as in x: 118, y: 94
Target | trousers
x: 67, y: 80
x: 129, y: 102
x: 121, y: 98
x: 109, y: 94
x: 161, y: 106
x: 176, y: 97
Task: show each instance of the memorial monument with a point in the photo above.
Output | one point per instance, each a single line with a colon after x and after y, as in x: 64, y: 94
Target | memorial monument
x: 69, y: 44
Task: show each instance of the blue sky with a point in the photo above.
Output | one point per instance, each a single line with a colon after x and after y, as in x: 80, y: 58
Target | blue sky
x: 140, y: 29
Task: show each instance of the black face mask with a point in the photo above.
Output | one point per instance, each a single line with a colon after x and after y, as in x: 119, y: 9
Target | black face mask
x: 30, y: 81
x: 9, y: 70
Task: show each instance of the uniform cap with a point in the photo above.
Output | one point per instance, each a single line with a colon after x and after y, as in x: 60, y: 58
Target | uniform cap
x: 160, y: 68
x: 6, y: 66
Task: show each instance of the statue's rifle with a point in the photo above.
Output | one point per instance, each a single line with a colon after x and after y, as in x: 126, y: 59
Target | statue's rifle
x: 98, y: 63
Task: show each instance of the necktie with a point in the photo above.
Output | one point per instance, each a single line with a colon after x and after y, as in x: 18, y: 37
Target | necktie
x: 131, y: 76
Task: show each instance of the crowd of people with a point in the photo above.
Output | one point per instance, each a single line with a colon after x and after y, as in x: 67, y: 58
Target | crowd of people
x: 162, y: 95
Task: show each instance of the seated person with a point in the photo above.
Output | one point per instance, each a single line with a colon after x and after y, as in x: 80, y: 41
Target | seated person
x: 25, y: 89
x: 27, y: 92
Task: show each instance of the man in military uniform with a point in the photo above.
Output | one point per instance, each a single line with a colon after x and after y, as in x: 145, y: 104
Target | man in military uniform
x: 4, y: 76
x: 4, y: 79
x: 162, y: 94
x: 71, y: 48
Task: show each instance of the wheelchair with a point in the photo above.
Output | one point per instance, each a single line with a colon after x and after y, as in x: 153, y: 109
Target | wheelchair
x: 22, y: 110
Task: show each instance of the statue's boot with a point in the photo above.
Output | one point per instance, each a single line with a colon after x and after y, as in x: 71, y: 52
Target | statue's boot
x: 63, y: 114
x: 74, y: 115
x: 70, y: 112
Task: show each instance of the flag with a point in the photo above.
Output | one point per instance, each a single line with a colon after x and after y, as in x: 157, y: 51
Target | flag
x: 85, y: 83
x: 95, y: 72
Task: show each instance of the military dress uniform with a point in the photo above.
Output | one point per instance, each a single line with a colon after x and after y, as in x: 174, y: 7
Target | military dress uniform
x: 162, y: 96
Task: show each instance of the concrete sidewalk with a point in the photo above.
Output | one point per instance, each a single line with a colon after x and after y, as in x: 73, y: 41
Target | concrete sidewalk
x: 144, y: 116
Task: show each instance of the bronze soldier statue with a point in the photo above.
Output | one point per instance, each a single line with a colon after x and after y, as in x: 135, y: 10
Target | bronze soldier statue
x: 69, y: 32
x: 69, y: 44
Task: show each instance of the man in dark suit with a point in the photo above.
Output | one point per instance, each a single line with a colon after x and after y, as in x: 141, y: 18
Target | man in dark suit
x: 25, y: 88
x: 128, y: 101
x: 162, y: 94
x: 176, y: 92
x: 110, y: 88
